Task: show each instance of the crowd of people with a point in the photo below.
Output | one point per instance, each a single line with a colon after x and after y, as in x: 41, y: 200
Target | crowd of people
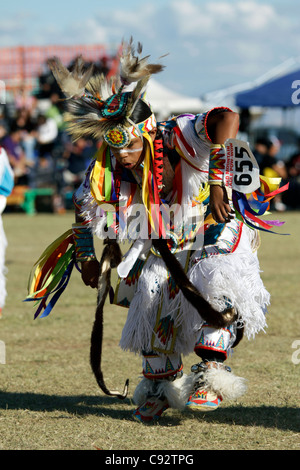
x: 42, y: 154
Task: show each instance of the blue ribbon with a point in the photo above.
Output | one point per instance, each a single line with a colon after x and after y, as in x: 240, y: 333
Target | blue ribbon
x: 55, y: 293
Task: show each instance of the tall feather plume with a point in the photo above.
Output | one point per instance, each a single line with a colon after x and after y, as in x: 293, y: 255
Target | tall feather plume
x: 132, y: 67
x: 72, y: 83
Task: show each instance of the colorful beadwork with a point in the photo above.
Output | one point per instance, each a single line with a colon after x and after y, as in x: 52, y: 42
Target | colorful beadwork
x: 115, y: 106
x: 151, y: 409
x: 117, y: 137
x: 216, y: 164
x: 120, y: 136
x: 145, y: 126
x: 204, y: 400
x: 215, y: 340
x: 157, y: 366
x: 83, y: 242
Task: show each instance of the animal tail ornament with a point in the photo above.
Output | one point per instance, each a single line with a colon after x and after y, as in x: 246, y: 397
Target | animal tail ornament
x: 50, y: 276
x: 111, y: 257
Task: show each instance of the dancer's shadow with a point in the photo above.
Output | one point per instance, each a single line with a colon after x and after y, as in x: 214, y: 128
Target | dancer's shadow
x: 81, y: 404
x: 284, y: 418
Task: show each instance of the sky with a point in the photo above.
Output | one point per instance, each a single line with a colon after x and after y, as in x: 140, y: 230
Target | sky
x: 210, y: 44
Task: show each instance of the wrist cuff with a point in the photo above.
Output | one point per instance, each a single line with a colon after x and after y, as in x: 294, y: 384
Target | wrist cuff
x: 217, y: 164
x: 84, y: 243
x: 216, y: 183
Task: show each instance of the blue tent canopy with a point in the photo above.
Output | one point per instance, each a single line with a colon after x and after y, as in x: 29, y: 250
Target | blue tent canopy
x: 275, y: 93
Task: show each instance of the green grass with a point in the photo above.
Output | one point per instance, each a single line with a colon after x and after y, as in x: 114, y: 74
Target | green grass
x: 49, y: 399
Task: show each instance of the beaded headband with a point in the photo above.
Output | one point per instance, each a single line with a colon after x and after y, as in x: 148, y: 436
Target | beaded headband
x: 120, y: 136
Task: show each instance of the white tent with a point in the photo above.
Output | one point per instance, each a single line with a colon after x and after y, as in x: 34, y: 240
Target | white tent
x: 166, y: 103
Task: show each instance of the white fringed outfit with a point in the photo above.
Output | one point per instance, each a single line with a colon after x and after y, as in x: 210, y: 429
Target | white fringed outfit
x: 161, y: 323
x: 165, y: 196
x: 6, y: 186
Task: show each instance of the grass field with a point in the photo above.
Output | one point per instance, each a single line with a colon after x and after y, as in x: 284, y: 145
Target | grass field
x: 49, y: 399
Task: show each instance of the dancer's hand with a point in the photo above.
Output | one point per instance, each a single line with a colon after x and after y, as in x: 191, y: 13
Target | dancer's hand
x: 90, y: 273
x: 219, y: 204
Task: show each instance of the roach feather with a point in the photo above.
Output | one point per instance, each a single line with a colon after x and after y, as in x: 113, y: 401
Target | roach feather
x: 87, y: 94
x: 134, y: 68
x: 72, y: 83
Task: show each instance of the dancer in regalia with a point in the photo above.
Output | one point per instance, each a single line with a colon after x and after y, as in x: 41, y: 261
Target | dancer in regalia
x: 6, y: 187
x: 188, y: 196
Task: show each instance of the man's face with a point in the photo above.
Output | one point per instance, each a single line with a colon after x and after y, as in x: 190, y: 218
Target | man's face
x: 130, y: 155
x: 133, y: 154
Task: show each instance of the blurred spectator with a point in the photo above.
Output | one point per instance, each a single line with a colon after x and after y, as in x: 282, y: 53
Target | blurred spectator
x: 261, y: 149
x: 4, y: 127
x: 47, y: 85
x: 271, y: 167
x: 55, y: 112
x: 24, y: 100
x: 78, y: 156
x: 293, y: 164
x: 43, y: 172
x: 292, y: 197
x: 27, y: 126
x: 103, y: 65
x: 47, y: 133
x: 3, y: 131
x: 16, y: 155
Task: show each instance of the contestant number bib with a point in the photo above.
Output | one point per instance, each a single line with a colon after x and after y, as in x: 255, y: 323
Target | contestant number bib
x: 241, y: 168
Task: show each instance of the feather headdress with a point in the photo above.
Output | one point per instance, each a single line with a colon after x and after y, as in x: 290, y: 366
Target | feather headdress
x: 96, y: 105
x: 72, y: 83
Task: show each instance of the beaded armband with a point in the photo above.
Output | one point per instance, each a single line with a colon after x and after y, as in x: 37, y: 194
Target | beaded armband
x: 217, y: 164
x: 84, y: 243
